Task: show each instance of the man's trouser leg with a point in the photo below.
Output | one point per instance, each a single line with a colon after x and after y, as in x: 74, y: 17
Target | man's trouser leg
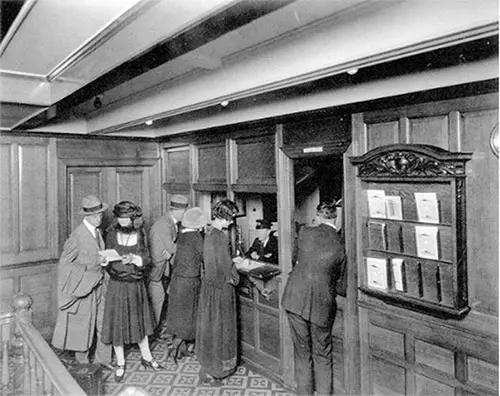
x: 157, y: 296
x: 322, y: 356
x: 302, y: 354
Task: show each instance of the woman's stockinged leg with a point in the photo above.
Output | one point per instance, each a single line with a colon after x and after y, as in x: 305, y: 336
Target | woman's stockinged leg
x: 145, y: 351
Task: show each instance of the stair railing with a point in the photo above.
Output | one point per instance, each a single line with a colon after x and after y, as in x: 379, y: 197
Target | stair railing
x: 35, y: 369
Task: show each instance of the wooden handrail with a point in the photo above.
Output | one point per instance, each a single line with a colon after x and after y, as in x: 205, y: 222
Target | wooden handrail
x: 46, y: 364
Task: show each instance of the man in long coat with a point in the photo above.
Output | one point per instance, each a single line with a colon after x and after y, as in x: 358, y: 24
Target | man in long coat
x: 309, y: 301
x: 81, y: 288
x: 162, y: 238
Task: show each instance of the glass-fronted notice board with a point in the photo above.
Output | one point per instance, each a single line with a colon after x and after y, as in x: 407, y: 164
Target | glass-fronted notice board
x: 412, y: 211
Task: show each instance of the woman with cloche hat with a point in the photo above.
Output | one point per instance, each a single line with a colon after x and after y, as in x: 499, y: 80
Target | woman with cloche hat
x: 185, y: 284
x: 128, y: 318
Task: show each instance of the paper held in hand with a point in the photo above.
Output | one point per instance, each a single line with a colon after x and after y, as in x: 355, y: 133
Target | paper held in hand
x: 110, y: 255
x: 246, y: 264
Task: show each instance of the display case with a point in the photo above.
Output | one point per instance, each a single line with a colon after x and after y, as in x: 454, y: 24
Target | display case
x: 413, y: 240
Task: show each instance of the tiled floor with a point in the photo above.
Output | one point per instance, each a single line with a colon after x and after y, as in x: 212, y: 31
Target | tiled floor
x: 182, y: 379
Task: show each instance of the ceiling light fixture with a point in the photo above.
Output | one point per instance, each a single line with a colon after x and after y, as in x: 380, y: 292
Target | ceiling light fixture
x: 352, y: 72
x: 224, y: 103
x: 149, y: 122
x: 97, y: 102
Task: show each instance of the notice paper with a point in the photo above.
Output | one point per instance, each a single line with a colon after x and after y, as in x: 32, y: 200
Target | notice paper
x: 427, y: 242
x: 427, y: 207
x: 110, y: 254
x: 376, y: 269
x: 398, y: 273
x: 376, y: 203
x: 394, y: 207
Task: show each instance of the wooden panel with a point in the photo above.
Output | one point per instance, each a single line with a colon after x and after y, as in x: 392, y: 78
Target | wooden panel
x: 212, y: 164
x: 82, y: 182
x: 38, y: 279
x: 482, y: 217
x: 256, y: 161
x: 318, y: 130
x: 381, y: 134
x: 178, y: 168
x: 33, y: 198
x: 426, y: 386
x: 36, y: 283
x: 434, y: 356
x: 386, y: 340
x: 39, y: 287
x: 269, y: 334
x: 7, y: 222
x: 430, y: 130
x: 132, y: 185
x: 482, y: 373
x: 7, y: 288
x: 104, y: 150
x: 387, y: 378
x: 29, y: 195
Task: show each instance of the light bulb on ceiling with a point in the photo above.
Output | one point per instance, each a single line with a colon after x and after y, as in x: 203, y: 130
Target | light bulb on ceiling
x: 352, y: 72
x: 149, y: 122
x: 224, y: 103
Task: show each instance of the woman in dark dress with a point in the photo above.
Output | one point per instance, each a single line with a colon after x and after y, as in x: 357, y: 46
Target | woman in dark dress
x: 185, y: 284
x: 216, y: 332
x: 127, y: 314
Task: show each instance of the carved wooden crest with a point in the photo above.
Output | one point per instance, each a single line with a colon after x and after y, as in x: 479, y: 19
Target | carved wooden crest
x: 410, y: 161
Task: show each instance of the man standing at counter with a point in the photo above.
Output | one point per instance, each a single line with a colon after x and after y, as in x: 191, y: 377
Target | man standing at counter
x: 162, y: 240
x: 309, y: 301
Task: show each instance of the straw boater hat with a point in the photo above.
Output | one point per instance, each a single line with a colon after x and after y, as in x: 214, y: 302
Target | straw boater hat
x: 92, y: 205
x: 178, y: 201
x: 194, y: 218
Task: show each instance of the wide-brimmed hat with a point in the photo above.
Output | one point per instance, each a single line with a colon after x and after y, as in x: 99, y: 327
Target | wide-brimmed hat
x: 179, y: 201
x: 194, y: 218
x: 92, y: 205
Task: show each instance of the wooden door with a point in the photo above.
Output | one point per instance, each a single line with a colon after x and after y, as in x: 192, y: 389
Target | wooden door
x: 111, y: 185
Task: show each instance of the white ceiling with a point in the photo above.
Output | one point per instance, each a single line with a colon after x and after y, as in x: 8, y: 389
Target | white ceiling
x: 55, y: 48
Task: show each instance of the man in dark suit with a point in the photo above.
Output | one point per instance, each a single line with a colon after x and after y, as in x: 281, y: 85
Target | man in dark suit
x: 162, y: 240
x: 309, y: 301
x: 265, y: 246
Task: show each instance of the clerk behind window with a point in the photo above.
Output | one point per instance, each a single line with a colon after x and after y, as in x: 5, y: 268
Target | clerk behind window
x: 265, y: 246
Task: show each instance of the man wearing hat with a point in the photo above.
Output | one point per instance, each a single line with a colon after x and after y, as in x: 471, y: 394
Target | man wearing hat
x: 265, y: 246
x: 162, y: 238
x: 81, y: 288
x: 309, y: 301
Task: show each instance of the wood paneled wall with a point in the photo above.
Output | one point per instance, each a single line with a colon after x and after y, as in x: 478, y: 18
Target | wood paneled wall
x: 408, y: 353
x: 42, y: 183
x: 28, y: 224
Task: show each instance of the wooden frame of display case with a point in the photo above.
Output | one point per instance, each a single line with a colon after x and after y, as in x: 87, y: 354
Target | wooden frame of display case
x: 410, y: 260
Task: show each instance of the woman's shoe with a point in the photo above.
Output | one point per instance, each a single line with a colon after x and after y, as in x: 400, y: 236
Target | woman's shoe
x: 190, y: 349
x: 208, y: 380
x: 175, y: 351
x: 152, y: 364
x: 119, y: 372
